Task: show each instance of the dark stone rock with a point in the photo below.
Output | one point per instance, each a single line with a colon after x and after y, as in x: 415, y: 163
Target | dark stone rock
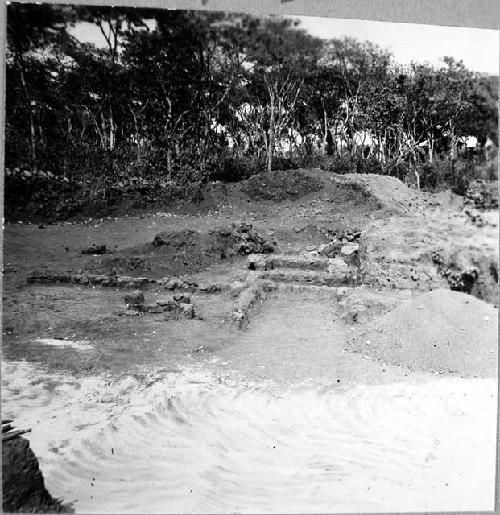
x: 268, y: 247
x: 36, y: 278
x: 135, y: 298
x: 151, y: 308
x: 124, y: 281
x: 331, y: 249
x: 23, y: 486
x: 182, y: 299
x: 167, y: 304
x: 109, y: 282
x: 81, y: 279
x: 268, y: 286
x: 64, y: 278
x: 172, y: 284
x: 257, y: 262
x: 187, y: 311
x: 210, y: 288
x: 243, y: 227
x: 189, y: 286
x: 95, y: 249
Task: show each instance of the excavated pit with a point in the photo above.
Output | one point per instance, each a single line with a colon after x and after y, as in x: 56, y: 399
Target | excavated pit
x: 270, y: 399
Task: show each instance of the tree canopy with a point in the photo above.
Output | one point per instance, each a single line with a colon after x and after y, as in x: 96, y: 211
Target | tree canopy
x: 174, y: 93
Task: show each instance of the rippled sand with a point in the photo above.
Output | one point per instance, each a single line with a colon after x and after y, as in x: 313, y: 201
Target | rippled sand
x: 196, y: 443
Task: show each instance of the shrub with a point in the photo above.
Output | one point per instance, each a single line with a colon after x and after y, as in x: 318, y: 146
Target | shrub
x: 398, y: 169
x: 235, y: 168
x: 287, y: 163
x: 369, y: 165
x: 463, y: 175
x: 342, y: 164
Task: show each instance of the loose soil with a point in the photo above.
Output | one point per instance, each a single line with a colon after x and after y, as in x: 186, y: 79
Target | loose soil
x: 441, y: 331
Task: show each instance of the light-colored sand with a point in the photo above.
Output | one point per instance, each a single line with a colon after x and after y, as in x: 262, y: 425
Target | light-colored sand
x: 191, y: 443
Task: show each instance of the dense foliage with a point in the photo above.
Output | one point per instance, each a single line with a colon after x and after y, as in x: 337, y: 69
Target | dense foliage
x: 188, y: 96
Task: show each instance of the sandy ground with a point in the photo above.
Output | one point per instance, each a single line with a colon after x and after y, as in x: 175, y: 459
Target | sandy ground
x: 198, y: 443
x: 294, y: 413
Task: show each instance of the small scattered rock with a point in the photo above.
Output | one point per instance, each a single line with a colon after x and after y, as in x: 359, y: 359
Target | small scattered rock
x: 236, y: 288
x: 358, y: 314
x: 268, y: 285
x: 130, y: 313
x: 238, y: 318
x: 182, y: 299
x: 210, y: 288
x: 152, y: 308
x: 125, y: 281
x: 135, y: 298
x: 95, y: 249
x: 349, y: 249
x: 188, y: 311
x: 331, y: 249
x: 167, y: 304
x: 257, y: 262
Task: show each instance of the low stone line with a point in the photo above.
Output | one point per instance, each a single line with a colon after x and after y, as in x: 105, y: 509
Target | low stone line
x: 123, y: 281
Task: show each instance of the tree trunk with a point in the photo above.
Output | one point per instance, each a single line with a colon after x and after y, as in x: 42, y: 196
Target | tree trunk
x: 325, y: 132
x: 112, y: 130
x: 31, y: 116
x: 104, y: 135
x: 430, y: 139
x: 33, y: 141
x: 271, y: 133
x: 453, y: 150
x: 169, y: 163
x: 40, y: 131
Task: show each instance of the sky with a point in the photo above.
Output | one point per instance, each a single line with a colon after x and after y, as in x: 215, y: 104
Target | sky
x: 478, y: 48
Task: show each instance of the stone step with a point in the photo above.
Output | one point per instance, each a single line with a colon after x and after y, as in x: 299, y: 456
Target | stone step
x: 332, y: 278
x: 298, y: 262
x: 248, y: 301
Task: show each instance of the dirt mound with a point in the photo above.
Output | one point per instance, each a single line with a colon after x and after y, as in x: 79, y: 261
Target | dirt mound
x: 430, y: 253
x: 23, y: 487
x: 44, y: 196
x: 281, y: 185
x: 184, y: 251
x: 228, y: 241
x: 439, y: 331
x: 389, y: 192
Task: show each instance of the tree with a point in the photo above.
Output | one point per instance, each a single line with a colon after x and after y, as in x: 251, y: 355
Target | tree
x: 352, y: 70
x: 30, y: 30
x: 277, y: 57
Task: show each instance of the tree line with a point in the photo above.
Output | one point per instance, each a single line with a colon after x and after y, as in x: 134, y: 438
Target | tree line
x: 195, y: 95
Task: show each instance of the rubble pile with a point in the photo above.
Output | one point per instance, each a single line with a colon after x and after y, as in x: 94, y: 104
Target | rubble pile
x: 179, y: 306
x: 482, y: 194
